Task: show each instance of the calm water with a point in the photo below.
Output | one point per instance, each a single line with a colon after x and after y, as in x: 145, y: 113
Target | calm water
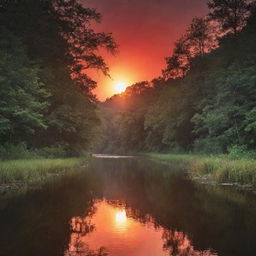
x: 128, y: 207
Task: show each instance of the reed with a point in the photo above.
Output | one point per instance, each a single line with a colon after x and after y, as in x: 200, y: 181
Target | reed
x: 221, y: 168
x: 27, y: 170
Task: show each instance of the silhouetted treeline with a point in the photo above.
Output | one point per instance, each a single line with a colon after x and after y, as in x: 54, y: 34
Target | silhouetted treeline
x: 206, y: 100
x: 46, y: 97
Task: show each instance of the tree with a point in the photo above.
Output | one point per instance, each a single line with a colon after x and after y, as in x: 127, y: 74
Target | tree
x: 199, y: 39
x: 201, y: 36
x: 23, y: 97
x: 83, y: 41
x: 231, y: 14
x: 206, y: 104
x: 58, y: 37
x: 178, y: 63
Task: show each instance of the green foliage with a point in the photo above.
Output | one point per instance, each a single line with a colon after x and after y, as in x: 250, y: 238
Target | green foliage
x: 55, y: 151
x: 207, y: 146
x: 123, y: 119
x: 206, y: 111
x: 237, y: 151
x: 30, y: 170
x: 46, y: 94
x: 227, y: 111
x: 241, y: 151
x: 19, y: 151
x: 220, y: 168
x: 23, y: 97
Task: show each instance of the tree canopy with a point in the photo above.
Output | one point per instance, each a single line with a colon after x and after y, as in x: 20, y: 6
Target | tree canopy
x: 205, y: 101
x: 46, y: 49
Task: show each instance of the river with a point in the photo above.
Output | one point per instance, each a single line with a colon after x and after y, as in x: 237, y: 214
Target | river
x: 128, y: 207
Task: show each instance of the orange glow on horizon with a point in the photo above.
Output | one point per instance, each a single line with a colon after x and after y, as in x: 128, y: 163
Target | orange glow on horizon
x: 143, y: 43
x: 117, y: 83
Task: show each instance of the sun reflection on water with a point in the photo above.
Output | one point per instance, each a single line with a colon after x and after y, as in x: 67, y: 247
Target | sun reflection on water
x: 110, y: 228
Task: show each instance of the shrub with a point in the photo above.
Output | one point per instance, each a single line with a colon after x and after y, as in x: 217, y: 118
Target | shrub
x: 240, y: 151
x: 19, y: 151
x: 207, y: 146
x: 56, y: 151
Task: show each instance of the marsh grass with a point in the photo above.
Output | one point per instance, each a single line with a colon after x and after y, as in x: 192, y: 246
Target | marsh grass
x: 220, y: 168
x: 24, y: 171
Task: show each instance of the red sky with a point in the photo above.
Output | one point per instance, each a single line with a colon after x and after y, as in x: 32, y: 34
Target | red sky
x: 145, y: 31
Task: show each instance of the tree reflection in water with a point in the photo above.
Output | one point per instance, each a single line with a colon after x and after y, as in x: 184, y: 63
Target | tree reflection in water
x: 80, y: 228
x: 179, y: 217
x: 195, y: 219
x: 174, y: 243
x: 178, y: 244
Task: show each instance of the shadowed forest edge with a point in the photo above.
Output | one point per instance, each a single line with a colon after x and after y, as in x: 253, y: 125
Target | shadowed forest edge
x: 204, y: 102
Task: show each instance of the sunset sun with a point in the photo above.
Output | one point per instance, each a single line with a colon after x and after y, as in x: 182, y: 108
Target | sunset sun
x: 121, y: 217
x: 120, y: 86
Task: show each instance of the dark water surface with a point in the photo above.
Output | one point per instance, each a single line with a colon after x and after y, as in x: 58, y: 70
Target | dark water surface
x: 128, y: 207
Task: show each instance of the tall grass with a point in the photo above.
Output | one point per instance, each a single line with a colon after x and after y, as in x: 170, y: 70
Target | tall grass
x: 27, y: 170
x: 221, y: 168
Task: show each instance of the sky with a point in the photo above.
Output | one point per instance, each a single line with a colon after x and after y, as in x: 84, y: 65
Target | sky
x: 145, y: 31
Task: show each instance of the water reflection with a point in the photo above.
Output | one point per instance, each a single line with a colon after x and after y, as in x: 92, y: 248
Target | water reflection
x: 178, y: 244
x: 122, y: 207
x: 119, y: 234
x: 116, y: 234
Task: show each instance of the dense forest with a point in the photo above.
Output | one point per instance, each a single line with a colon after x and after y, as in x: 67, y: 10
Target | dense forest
x: 205, y: 100
x: 167, y: 167
x: 47, y: 106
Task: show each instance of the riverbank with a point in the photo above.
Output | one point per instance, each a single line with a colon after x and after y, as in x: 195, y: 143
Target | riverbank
x: 220, y: 168
x: 15, y: 174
